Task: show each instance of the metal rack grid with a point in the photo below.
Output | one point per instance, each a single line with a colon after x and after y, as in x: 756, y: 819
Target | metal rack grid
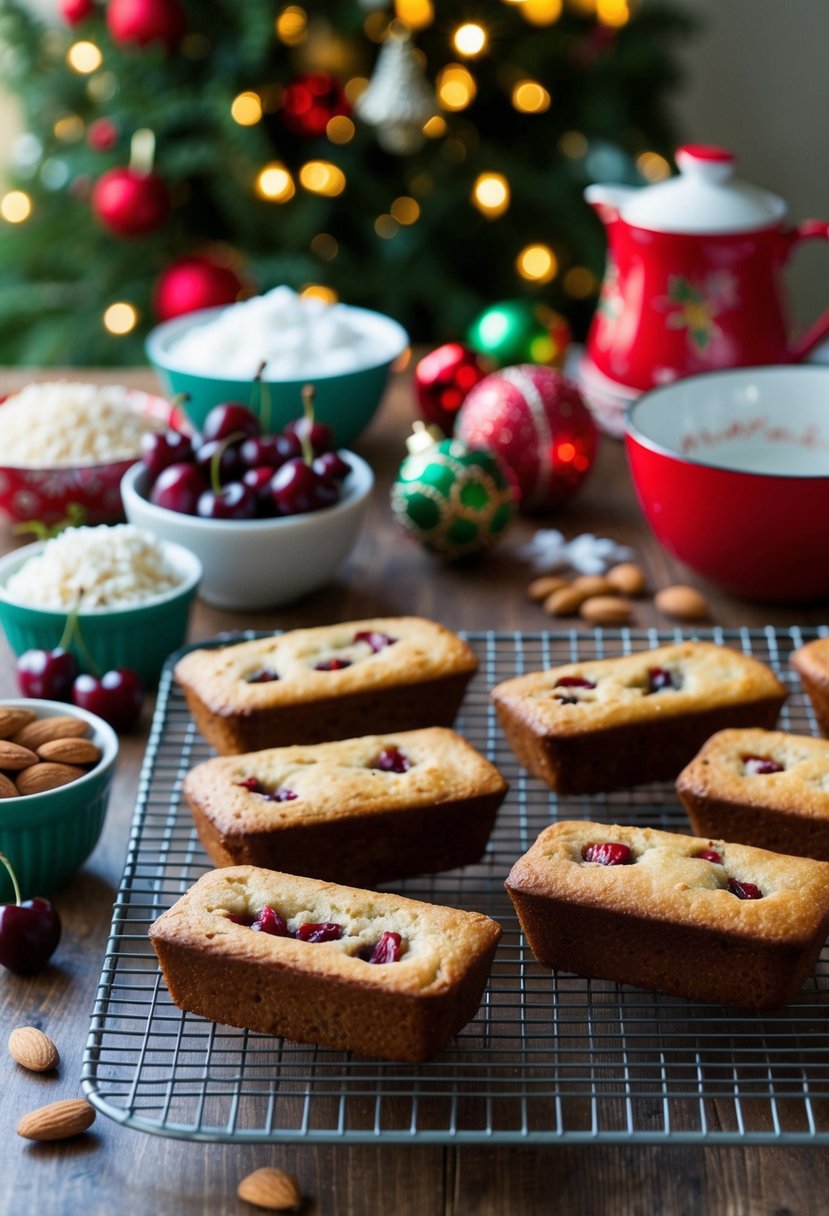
x: 550, y: 1058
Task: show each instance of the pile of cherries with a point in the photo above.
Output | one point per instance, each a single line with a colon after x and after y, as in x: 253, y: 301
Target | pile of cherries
x: 234, y: 471
x: 116, y: 695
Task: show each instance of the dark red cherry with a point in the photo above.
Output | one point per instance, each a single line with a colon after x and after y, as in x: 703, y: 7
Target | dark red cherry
x: 178, y: 488
x: 259, y: 482
x: 160, y: 450
x: 269, y: 450
x: 332, y: 664
x: 233, y: 501
x: 29, y: 930
x: 744, y: 890
x: 116, y: 696
x: 608, y: 853
x: 332, y: 466
x: 710, y: 855
x: 269, y: 921
x: 47, y: 674
x: 294, y: 488
x: 373, y: 638
x: 228, y: 419
x: 571, y: 682
x: 265, y: 676
x: 392, y: 760
x: 388, y: 949
x: 326, y: 931
x: 321, y: 436
x: 660, y: 679
x: 221, y: 455
x: 760, y: 765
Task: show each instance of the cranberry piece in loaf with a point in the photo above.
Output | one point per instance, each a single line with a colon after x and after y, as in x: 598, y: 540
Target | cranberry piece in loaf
x: 398, y: 981
x: 766, y: 788
x: 330, y: 682
x: 606, y: 723
x: 359, y: 811
x: 684, y: 915
x: 811, y: 662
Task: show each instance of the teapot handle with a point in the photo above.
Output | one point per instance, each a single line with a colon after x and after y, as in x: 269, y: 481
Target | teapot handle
x: 809, y: 230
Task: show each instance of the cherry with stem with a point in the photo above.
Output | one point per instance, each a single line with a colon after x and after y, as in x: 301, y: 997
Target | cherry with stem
x: 29, y: 930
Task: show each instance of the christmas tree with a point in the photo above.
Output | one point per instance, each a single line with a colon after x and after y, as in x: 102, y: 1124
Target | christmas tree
x: 405, y: 157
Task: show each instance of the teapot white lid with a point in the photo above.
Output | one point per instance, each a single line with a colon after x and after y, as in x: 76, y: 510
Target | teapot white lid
x: 704, y: 197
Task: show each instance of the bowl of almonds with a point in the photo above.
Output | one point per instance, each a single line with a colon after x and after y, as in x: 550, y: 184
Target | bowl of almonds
x: 57, y: 762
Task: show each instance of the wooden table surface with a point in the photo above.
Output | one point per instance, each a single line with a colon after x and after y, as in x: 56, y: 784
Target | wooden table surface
x: 116, y: 1169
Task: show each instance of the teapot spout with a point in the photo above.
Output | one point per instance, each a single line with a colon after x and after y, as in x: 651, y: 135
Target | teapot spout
x: 607, y: 200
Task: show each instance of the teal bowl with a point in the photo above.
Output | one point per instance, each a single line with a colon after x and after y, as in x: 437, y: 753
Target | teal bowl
x: 140, y: 636
x: 48, y: 836
x: 346, y: 401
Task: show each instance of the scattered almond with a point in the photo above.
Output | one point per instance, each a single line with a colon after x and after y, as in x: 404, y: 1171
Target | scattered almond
x: 564, y: 602
x: 272, y: 1189
x: 46, y: 776
x: 540, y: 588
x: 58, y: 1120
x: 62, y: 726
x: 593, y: 584
x: 33, y: 1049
x: 629, y: 578
x: 684, y: 603
x: 605, y: 610
x: 12, y: 720
x: 7, y: 787
x: 13, y: 757
x: 70, y: 751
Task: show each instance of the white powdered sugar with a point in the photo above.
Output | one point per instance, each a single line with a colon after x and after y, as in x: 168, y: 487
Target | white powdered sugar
x: 61, y: 423
x: 293, y: 335
x: 99, y: 567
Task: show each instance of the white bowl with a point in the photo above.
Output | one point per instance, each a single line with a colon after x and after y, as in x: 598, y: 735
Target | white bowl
x: 260, y: 563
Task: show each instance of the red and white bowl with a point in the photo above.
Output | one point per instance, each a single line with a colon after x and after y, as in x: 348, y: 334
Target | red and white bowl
x: 732, y: 473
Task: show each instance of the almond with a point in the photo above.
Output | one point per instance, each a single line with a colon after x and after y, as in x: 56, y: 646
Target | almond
x: 629, y: 578
x: 62, y: 726
x: 46, y: 776
x: 33, y: 1049
x: 594, y: 584
x: 58, y: 1120
x: 13, y: 757
x: 684, y: 603
x: 13, y: 720
x: 605, y: 610
x: 540, y: 588
x: 7, y: 787
x: 272, y: 1189
x: 70, y: 751
x: 565, y: 602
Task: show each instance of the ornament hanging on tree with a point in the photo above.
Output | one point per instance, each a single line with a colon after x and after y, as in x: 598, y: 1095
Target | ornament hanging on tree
x: 442, y: 380
x: 140, y: 22
x: 102, y: 135
x: 133, y: 201
x: 398, y: 100
x: 193, y: 282
x: 454, y: 500
x: 310, y: 102
x: 76, y: 11
x: 521, y: 331
x: 536, y: 422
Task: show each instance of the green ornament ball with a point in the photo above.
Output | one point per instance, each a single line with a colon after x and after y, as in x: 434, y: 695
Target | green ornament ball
x: 453, y: 499
x: 520, y: 331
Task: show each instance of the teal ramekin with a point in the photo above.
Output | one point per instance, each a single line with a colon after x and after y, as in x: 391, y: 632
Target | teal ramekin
x: 139, y: 637
x: 48, y: 836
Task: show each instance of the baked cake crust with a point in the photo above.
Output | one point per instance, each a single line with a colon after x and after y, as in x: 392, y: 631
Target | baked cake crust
x: 668, y: 921
x: 323, y: 992
x: 811, y: 662
x: 343, y: 818
x: 326, y: 683
x: 786, y: 811
x: 621, y: 731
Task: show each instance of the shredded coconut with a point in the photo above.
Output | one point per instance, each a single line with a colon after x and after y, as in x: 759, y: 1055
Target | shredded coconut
x: 61, y: 423
x: 95, y: 568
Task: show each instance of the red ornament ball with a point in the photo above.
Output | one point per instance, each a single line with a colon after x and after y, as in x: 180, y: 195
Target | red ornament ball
x: 76, y: 11
x: 310, y: 102
x: 534, y: 419
x: 102, y: 135
x: 130, y: 203
x: 442, y: 380
x: 193, y: 282
x: 140, y: 22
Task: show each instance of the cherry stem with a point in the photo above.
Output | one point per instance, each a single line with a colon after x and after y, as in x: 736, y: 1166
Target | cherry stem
x: 71, y: 624
x: 81, y: 646
x: 305, y: 436
x: 264, y: 397
x: 178, y: 402
x: 17, y: 897
x: 216, y: 460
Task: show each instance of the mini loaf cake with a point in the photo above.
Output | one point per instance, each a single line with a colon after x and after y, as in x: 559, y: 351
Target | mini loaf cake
x: 760, y: 787
x: 606, y: 723
x: 811, y: 662
x: 331, y: 682
x: 680, y: 914
x: 361, y: 811
x: 377, y: 974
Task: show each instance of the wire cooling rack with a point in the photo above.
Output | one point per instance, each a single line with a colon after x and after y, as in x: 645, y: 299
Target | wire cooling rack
x: 550, y: 1057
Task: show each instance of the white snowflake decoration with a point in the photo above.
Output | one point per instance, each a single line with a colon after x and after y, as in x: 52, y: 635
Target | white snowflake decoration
x: 586, y: 553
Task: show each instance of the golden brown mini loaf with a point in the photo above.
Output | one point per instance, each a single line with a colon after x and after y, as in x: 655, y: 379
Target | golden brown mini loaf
x: 811, y: 662
x: 761, y: 787
x: 359, y: 811
x: 683, y: 915
x: 603, y: 723
x: 376, y: 974
x: 330, y: 682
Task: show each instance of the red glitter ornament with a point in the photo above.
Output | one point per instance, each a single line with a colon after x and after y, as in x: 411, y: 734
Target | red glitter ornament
x: 442, y: 380
x: 310, y: 102
x: 534, y: 419
x: 144, y: 21
x: 102, y: 135
x: 193, y: 282
x: 76, y: 11
x: 130, y: 203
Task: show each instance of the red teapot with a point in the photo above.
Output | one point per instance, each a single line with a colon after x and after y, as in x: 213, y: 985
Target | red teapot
x: 692, y: 283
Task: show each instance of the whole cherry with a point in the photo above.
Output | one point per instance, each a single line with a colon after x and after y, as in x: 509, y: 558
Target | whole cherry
x: 297, y: 489
x: 220, y: 457
x: 229, y: 417
x: 331, y: 465
x: 116, y: 696
x: 178, y: 488
x: 29, y: 930
x: 232, y: 501
x: 48, y: 674
x: 161, y: 449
